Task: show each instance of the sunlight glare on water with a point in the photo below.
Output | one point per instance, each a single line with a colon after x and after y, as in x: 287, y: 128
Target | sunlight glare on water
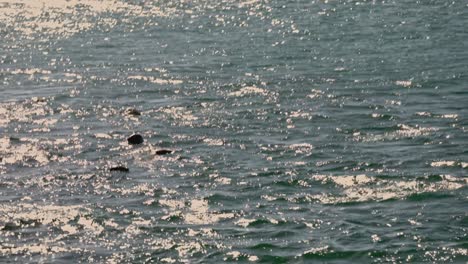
x: 273, y: 131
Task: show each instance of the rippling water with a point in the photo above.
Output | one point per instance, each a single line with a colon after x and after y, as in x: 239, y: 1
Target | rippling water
x: 302, y: 131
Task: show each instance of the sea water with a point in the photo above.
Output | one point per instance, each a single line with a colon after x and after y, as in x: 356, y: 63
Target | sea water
x: 331, y: 131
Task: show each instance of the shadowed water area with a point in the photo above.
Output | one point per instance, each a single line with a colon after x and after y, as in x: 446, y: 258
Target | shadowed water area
x: 274, y: 131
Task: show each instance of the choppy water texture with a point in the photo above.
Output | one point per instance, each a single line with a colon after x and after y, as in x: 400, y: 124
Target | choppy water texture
x: 302, y: 131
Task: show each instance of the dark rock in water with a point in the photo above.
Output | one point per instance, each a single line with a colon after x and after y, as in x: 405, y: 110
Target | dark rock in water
x: 14, y: 139
x: 163, y: 152
x: 132, y: 112
x: 119, y: 168
x: 135, y: 139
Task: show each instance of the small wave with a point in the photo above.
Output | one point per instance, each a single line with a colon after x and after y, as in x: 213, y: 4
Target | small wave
x: 236, y: 256
x: 61, y: 218
x: 400, y: 131
x: 443, y: 163
x: 197, y: 213
x: 22, y: 153
x: 405, y: 83
x: 449, y: 116
x: 67, y: 18
x: 362, y: 188
x: 301, y: 148
x: 249, y: 90
x: 155, y: 80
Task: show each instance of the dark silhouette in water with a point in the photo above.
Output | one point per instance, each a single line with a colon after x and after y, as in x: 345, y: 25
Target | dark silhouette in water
x: 120, y: 169
x: 132, y: 112
x: 163, y: 152
x: 135, y: 139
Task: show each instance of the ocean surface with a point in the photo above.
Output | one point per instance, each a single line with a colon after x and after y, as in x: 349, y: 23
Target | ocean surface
x: 331, y: 131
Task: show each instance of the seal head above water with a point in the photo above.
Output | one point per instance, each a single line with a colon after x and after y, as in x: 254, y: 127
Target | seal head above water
x: 135, y: 139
